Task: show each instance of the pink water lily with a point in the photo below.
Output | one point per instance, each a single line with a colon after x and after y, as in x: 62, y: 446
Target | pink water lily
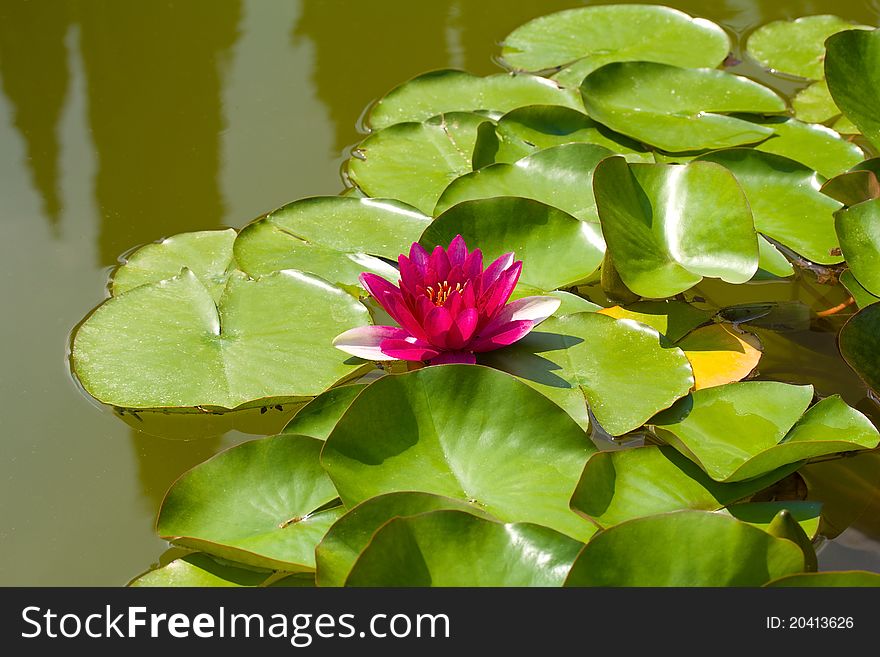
x: 448, y: 308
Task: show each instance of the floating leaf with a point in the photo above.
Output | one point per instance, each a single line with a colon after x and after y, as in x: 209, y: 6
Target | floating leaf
x: 452, y: 548
x: 720, y: 354
x: 450, y: 90
x: 844, y: 578
x: 317, y: 418
x: 525, y: 130
x: 859, y: 184
x: 570, y: 303
x: 267, y: 341
x: 200, y: 570
x: 860, y: 294
x: 632, y: 483
x: 743, y: 430
x: 667, y: 226
x: 295, y: 580
x: 859, y: 342
x: 858, y: 228
x: 816, y: 146
x: 561, y: 176
x: 785, y: 201
x: 557, y: 250
x: 615, y: 33
x: 762, y: 514
x: 785, y: 526
x: 330, y: 236
x: 347, y: 538
x: 815, y: 104
x: 852, y: 66
x: 430, y: 432
x: 671, y: 550
x: 771, y: 259
x: 598, y: 355
x: 678, y: 109
x: 414, y: 162
x: 207, y: 254
x: 261, y: 503
x: 674, y: 319
x: 796, y: 47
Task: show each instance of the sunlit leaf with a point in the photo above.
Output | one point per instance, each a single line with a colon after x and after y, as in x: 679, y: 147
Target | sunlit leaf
x: 852, y: 67
x: 674, y: 319
x: 858, y: 228
x: 720, y: 354
x: 318, y: 417
x: 200, y: 570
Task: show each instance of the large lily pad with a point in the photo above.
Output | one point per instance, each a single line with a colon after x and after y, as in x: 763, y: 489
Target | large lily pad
x: 429, y: 431
x: 843, y: 578
x: 598, y: 355
x: 796, y: 47
x: 207, y: 254
x: 451, y: 90
x: 262, y: 503
x: 786, y: 202
x: 744, y: 430
x: 318, y: 417
x: 632, y: 483
x: 330, y: 236
x: 861, y: 296
x: 615, y: 33
x: 667, y: 226
x: 452, y: 548
x: 561, y: 176
x: 267, y: 341
x: 678, y: 109
x: 414, y: 162
x: 674, y: 319
x: 557, y: 250
x: 859, y: 342
x: 852, y: 68
x: 685, y: 548
x: 200, y: 570
x: 858, y: 228
x: 525, y: 130
x: 569, y: 303
x: 347, y: 538
x: 817, y: 146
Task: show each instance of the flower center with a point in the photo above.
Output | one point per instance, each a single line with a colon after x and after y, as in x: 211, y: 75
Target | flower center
x: 439, y: 293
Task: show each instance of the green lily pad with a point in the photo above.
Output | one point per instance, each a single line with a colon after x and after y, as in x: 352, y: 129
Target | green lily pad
x: 771, y: 259
x: 858, y: 228
x: 569, y: 303
x: 784, y: 525
x: 817, y: 146
x: 674, y: 319
x: 785, y: 201
x: 430, y: 432
x: 667, y: 226
x: 796, y: 47
x: 352, y: 533
x: 557, y: 250
x: 317, y: 418
x: 859, y: 184
x: 671, y: 550
x: 261, y: 503
x: 598, y: 355
x: 200, y: 570
x: 450, y: 90
x: 453, y: 548
x: 743, y: 430
x: 859, y: 342
x: 207, y: 254
x: 678, y: 109
x: 852, y: 68
x: 294, y: 581
x: 814, y: 104
x: 265, y: 342
x: 632, y: 483
x: 859, y: 293
x: 525, y: 130
x: 762, y: 514
x: 330, y: 236
x: 615, y: 33
x: 844, y: 578
x: 561, y: 176
x: 414, y: 162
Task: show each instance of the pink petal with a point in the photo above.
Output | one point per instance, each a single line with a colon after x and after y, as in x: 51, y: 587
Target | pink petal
x: 399, y: 310
x: 437, y: 325
x: 463, y: 328
x: 535, y: 309
x: 419, y: 257
x: 506, y: 335
x: 378, y: 287
x: 449, y: 357
x: 438, y: 264
x: 365, y: 341
x: 457, y: 251
x: 410, y: 275
x: 407, y: 350
x: 472, y: 265
x: 495, y: 297
x: 494, y: 270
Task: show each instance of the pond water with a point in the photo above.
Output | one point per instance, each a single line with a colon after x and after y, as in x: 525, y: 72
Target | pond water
x: 124, y: 122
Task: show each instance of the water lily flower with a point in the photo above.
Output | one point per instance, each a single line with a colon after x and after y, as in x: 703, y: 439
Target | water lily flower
x: 448, y: 308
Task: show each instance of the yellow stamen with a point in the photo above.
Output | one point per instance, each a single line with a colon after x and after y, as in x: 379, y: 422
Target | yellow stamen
x: 439, y: 296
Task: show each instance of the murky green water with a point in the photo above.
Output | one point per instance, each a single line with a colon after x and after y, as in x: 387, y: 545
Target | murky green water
x: 123, y: 122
